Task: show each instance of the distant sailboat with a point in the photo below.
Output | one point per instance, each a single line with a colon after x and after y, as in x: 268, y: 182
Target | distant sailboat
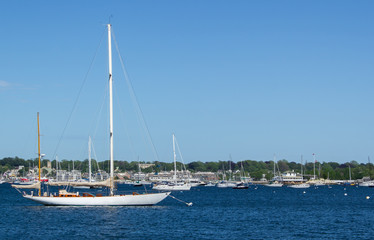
x: 226, y: 183
x: 300, y: 185
x: 138, y: 183
x: 274, y: 183
x: 174, y: 185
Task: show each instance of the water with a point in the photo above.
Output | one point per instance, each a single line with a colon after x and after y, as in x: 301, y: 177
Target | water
x: 217, y: 213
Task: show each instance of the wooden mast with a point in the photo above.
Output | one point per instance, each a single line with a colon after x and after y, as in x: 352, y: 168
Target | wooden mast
x: 39, y: 155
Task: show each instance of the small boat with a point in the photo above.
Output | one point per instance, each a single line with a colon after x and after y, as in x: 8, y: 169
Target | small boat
x: 226, y: 184
x: 366, y: 184
x: 174, y: 185
x: 301, y: 185
x: 274, y: 184
x: 210, y: 184
x: 137, y: 184
x: 240, y: 186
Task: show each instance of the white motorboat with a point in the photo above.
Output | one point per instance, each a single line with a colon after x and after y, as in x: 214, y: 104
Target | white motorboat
x: 171, y: 186
x: 274, y: 184
x: 226, y: 184
x: 301, y: 185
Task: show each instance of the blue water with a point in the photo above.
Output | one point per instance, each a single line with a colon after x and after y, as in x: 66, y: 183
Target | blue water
x: 217, y: 213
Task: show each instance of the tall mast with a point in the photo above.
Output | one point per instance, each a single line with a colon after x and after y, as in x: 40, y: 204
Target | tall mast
x: 175, y: 159
x: 369, y: 167
x: 89, y: 159
x: 314, y: 167
x: 56, y: 168
x: 39, y: 156
x: 301, y: 168
x: 110, y: 110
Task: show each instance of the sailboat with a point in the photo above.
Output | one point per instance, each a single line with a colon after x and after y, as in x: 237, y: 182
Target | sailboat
x: 138, y: 182
x: 227, y: 183
x: 302, y: 184
x: 175, y: 185
x: 275, y: 182
x: 64, y: 198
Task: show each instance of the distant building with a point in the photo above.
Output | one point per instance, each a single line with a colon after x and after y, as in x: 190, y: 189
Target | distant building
x: 161, y: 176
x: 206, y: 176
x: 289, y: 177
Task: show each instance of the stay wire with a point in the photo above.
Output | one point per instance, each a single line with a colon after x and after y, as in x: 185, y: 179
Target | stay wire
x: 79, y: 93
x: 132, y: 92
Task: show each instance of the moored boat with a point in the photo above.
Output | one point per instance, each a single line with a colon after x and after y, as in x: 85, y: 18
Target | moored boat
x: 64, y: 198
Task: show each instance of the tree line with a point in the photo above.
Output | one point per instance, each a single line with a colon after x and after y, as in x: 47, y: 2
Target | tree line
x: 255, y: 169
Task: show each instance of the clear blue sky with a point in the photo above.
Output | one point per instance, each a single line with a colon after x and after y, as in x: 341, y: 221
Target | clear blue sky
x: 246, y: 78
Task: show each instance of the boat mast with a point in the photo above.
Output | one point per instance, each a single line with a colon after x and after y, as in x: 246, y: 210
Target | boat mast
x: 39, y: 155
x: 56, y: 168
x: 89, y: 158
x: 301, y: 165
x: 369, y: 167
x: 274, y: 166
x: 110, y: 110
x: 175, y: 160
x: 314, y: 167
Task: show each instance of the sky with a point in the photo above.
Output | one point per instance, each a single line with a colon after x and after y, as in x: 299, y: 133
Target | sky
x: 246, y: 79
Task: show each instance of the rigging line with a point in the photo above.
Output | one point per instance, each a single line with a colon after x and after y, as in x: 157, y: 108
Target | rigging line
x: 180, y: 154
x: 101, y: 109
x: 79, y: 93
x: 96, y: 116
x: 125, y: 126
x: 94, y: 153
x: 132, y: 93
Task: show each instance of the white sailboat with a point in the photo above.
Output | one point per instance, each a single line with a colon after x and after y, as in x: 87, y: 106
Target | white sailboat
x: 175, y: 185
x: 302, y: 184
x: 274, y: 183
x: 227, y: 183
x: 64, y: 198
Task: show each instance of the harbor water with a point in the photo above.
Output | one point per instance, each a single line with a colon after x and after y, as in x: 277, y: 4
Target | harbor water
x: 217, y: 213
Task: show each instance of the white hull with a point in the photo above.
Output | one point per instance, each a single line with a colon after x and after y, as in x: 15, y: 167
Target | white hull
x: 117, y: 200
x: 303, y: 185
x: 226, y: 185
x: 274, y: 185
x: 81, y: 187
x: 366, y: 184
x: 164, y: 187
x: 195, y: 184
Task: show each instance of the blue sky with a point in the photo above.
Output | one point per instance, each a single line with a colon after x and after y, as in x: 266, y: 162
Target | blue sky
x: 246, y: 78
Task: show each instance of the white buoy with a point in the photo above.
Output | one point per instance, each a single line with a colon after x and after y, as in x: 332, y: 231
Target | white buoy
x: 345, y: 194
x: 304, y: 192
x: 367, y: 197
